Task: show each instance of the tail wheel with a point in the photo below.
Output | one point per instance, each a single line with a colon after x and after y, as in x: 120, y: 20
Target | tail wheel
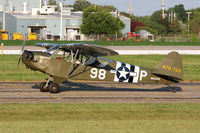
x: 43, y: 87
x: 53, y: 88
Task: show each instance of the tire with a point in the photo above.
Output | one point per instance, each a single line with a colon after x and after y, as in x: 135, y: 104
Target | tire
x: 43, y: 88
x: 53, y: 88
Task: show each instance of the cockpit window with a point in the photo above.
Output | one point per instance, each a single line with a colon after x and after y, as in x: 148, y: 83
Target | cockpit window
x: 67, y: 56
x: 97, y: 62
x: 79, y: 58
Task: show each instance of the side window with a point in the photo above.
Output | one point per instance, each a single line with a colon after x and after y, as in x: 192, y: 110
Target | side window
x: 97, y: 62
x: 59, y: 55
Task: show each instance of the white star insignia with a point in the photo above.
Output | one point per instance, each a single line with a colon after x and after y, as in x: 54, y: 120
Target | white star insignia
x: 123, y: 73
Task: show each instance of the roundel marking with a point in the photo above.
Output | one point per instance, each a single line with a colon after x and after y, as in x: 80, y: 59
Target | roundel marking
x: 123, y: 73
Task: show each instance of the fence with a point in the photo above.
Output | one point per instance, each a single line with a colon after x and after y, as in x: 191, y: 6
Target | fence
x: 177, y: 38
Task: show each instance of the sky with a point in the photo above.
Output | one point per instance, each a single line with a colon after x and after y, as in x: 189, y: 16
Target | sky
x: 143, y: 7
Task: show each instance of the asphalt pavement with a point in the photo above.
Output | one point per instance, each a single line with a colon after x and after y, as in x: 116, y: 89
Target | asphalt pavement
x: 99, y: 92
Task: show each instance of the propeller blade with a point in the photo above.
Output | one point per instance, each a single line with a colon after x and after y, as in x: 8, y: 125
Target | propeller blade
x: 22, y: 50
x: 19, y: 61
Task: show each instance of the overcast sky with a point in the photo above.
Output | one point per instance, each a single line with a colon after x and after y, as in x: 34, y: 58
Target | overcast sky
x: 143, y: 7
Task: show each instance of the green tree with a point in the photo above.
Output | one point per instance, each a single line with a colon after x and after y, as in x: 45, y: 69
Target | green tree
x: 80, y: 5
x: 195, y: 24
x: 52, y: 2
x: 180, y: 12
x: 165, y: 23
x: 100, y: 22
x: 108, y: 8
x: 156, y: 16
x: 157, y: 28
x: 175, y: 27
x: 195, y: 12
x: 42, y: 2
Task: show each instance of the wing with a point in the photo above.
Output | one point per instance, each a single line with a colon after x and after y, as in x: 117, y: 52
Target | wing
x: 86, y: 49
x: 46, y: 45
x: 89, y: 49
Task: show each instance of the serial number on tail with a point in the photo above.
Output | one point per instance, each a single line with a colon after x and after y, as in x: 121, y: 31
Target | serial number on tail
x: 168, y: 68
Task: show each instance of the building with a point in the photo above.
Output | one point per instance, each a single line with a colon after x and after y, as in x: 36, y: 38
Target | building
x: 17, y: 5
x: 27, y: 18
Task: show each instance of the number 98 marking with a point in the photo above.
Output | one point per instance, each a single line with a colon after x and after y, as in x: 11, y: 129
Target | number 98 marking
x: 101, y: 74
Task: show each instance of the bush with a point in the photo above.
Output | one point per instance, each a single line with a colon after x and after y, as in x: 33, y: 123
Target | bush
x: 194, y: 37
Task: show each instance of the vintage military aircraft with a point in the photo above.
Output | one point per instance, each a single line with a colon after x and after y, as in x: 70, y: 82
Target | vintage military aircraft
x: 85, y: 62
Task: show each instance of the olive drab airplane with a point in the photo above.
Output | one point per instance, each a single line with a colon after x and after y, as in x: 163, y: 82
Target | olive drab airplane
x: 85, y: 62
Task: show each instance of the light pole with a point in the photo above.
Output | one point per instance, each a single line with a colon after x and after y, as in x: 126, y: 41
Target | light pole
x: 189, y: 13
x: 61, y: 20
x: 163, y: 9
x: 4, y: 21
x: 131, y: 9
x: 11, y: 6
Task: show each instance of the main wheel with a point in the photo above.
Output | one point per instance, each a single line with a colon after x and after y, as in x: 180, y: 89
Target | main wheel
x: 53, y: 88
x: 43, y: 87
x: 173, y: 90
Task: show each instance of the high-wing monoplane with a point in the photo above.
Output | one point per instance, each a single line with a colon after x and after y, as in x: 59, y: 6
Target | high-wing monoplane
x: 84, y: 61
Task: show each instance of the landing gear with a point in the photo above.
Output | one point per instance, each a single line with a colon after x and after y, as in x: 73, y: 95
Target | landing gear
x: 44, y: 87
x: 51, y: 85
x: 173, y: 90
x: 53, y: 88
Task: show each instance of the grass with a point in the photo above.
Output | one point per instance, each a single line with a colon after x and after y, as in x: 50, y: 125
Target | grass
x: 9, y: 71
x: 8, y: 63
x: 100, y: 118
x: 104, y: 43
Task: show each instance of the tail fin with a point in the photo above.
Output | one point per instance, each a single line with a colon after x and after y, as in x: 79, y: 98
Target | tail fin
x: 170, y: 67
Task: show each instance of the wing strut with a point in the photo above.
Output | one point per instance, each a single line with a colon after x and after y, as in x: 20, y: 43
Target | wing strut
x: 73, y: 62
x: 73, y: 73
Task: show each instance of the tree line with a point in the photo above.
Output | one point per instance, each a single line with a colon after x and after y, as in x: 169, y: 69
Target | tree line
x: 98, y: 20
x: 176, y: 21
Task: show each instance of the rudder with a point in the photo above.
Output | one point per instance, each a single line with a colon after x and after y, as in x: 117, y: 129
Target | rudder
x: 170, y: 67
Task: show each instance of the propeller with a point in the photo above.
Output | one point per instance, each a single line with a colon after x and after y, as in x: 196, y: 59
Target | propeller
x: 22, y: 50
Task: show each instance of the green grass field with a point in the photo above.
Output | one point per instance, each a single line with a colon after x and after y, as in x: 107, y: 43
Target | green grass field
x: 104, y: 43
x: 8, y: 63
x: 9, y: 71
x: 100, y: 118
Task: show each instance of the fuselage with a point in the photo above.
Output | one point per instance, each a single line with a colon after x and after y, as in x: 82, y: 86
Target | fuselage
x: 99, y: 70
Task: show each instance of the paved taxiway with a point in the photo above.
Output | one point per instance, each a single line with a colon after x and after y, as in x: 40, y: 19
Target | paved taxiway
x: 99, y: 92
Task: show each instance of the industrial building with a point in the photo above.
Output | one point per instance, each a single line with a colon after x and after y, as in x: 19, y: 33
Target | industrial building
x: 28, y: 16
